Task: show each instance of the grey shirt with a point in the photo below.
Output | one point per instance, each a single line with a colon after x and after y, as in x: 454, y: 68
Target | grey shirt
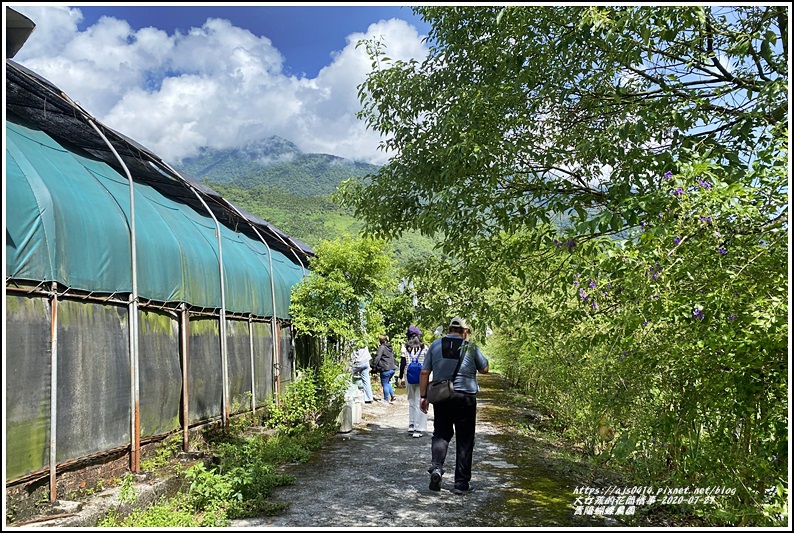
x: 360, y: 357
x: 443, y: 367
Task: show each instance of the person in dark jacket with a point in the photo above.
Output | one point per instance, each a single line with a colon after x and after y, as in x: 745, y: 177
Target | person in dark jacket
x: 384, y: 364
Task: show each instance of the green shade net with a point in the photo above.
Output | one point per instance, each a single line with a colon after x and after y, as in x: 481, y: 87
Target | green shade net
x: 68, y: 221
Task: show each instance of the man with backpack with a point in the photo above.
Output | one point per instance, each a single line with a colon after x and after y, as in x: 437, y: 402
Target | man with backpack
x: 453, y: 358
x: 413, y: 352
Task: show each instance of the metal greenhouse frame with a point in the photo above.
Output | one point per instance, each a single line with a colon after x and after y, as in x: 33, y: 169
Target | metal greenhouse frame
x: 139, y: 302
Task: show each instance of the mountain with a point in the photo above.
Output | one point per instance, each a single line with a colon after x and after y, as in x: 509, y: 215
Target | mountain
x: 274, y: 162
x: 276, y: 181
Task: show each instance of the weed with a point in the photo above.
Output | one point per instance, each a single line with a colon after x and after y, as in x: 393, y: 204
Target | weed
x: 127, y: 492
x: 242, y: 477
x: 162, y: 457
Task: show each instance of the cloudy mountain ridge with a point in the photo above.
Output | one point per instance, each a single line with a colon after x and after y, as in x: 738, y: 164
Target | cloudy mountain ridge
x: 274, y: 161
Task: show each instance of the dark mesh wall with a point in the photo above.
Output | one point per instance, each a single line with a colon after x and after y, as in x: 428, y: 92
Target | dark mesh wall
x: 27, y: 375
x: 238, y: 350
x: 93, y: 379
x: 205, y: 375
x: 160, y: 372
x: 286, y: 355
x: 263, y: 361
x: 307, y: 351
x: 93, y: 388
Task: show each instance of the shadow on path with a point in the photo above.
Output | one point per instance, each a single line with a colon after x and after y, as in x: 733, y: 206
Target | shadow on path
x: 376, y: 475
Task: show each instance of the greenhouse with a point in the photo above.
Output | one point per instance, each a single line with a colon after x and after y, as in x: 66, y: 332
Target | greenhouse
x: 139, y: 302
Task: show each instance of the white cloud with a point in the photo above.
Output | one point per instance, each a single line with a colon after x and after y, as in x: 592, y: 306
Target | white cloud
x: 217, y: 85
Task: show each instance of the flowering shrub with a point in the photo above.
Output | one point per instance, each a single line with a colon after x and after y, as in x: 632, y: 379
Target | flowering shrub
x: 688, y: 359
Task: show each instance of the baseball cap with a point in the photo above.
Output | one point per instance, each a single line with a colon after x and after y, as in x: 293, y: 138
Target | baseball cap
x: 458, y: 322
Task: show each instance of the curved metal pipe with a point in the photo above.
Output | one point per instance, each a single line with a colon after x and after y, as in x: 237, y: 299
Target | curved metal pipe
x: 135, y: 429
x: 54, y: 394
x: 303, y: 269
x: 275, y: 364
x: 274, y: 325
x: 224, y: 353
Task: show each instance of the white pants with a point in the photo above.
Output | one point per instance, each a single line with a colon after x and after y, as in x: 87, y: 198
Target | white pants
x: 416, y: 417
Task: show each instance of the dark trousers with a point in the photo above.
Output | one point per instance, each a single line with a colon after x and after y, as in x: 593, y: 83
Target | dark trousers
x: 457, y: 416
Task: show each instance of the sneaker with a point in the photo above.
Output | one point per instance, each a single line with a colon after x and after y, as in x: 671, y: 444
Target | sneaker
x: 411, y: 428
x: 416, y: 435
x: 435, y: 479
x: 464, y: 490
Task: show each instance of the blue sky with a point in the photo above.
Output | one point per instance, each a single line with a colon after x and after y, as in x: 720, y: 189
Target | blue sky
x: 176, y: 78
x: 305, y: 35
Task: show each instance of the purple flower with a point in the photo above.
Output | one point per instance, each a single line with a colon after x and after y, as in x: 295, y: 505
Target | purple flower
x: 592, y: 284
x: 732, y: 317
x: 654, y: 270
x: 697, y: 313
x: 668, y: 175
x: 643, y: 223
x: 556, y: 242
x: 644, y: 323
x: 705, y: 220
x: 722, y: 250
x: 583, y: 294
x: 678, y: 192
x: 705, y: 184
x: 594, y: 305
x: 570, y: 244
x: 655, y: 297
x: 677, y: 240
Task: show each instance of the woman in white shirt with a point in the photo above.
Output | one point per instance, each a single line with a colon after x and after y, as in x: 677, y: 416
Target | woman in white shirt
x: 412, y: 351
x: 360, y: 364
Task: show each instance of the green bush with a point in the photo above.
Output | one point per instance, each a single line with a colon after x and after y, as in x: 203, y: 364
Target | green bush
x: 242, y: 478
x: 313, y: 398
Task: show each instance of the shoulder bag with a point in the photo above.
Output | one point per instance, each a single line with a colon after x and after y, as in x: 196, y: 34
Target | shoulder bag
x: 440, y: 390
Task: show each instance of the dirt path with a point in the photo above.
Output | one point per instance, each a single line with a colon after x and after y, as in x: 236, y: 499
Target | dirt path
x: 376, y: 475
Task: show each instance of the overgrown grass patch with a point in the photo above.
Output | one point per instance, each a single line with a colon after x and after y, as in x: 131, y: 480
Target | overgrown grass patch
x: 238, y: 480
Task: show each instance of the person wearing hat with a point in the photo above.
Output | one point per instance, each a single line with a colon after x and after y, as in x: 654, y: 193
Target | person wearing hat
x: 413, y: 350
x: 413, y: 332
x: 458, y: 415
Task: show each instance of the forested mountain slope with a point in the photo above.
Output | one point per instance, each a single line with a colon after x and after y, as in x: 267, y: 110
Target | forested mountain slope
x: 275, y: 162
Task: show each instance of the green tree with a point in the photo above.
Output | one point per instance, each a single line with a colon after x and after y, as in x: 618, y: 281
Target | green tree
x: 611, y: 184
x: 338, y: 300
x: 524, y: 115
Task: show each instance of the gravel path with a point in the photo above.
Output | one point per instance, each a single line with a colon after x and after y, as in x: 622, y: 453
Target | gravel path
x: 376, y: 476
